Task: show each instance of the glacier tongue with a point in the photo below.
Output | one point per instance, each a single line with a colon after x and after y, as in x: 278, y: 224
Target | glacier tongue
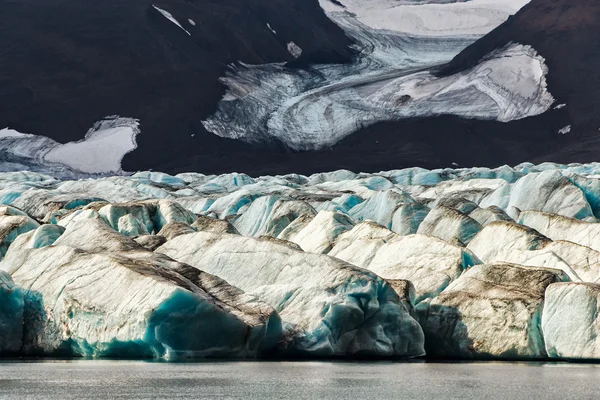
x: 327, y: 265
x: 399, y: 47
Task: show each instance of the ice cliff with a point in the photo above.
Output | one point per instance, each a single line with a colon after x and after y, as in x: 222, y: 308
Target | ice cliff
x: 461, y: 263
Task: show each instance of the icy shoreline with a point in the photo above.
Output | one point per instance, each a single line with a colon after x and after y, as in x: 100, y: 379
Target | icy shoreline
x: 464, y: 264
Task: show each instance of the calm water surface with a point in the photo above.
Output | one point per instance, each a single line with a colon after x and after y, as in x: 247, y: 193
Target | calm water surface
x: 85, y: 379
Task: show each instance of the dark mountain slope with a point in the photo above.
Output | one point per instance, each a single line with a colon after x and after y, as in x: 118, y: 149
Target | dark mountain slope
x: 567, y: 34
x: 65, y: 64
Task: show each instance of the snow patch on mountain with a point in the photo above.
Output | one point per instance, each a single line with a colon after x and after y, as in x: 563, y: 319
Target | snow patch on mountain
x: 99, y: 152
x: 11, y: 133
x: 565, y: 130
x: 429, y: 17
x: 170, y: 17
x: 294, y: 49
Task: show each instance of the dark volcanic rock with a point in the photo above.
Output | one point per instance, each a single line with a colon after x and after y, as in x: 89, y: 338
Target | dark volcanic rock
x: 66, y: 64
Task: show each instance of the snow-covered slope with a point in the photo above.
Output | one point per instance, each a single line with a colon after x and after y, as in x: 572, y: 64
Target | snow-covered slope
x: 429, y: 17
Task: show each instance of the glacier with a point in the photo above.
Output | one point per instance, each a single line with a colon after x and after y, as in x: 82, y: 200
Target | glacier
x: 466, y: 263
x: 119, y: 300
x: 400, y: 46
x: 328, y: 307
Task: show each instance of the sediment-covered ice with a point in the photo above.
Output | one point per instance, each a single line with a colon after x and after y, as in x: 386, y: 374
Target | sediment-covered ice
x: 557, y: 227
x: 503, y: 236
x: 428, y: 262
x: 97, y: 293
x: 329, y: 307
x: 492, y: 310
x: 449, y: 225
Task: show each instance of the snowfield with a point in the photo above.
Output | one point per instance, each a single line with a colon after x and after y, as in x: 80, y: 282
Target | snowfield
x: 99, y: 152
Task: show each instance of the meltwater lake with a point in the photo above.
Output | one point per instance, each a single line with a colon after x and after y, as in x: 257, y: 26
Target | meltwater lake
x: 85, y: 379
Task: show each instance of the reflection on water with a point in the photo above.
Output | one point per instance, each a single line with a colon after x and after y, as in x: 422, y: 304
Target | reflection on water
x: 80, y: 379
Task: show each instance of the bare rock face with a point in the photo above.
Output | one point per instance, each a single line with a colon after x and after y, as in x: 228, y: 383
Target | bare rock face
x: 491, y: 311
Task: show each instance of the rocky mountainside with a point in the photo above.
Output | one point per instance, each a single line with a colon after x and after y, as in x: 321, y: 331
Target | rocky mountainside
x: 68, y: 64
x: 295, y: 86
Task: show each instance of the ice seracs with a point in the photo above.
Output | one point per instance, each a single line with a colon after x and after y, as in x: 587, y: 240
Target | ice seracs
x: 491, y: 311
x: 319, y: 235
x: 571, y: 322
x: 104, y: 295
x: 327, y: 265
x: 449, y: 225
x: 12, y: 224
x: 428, y: 262
x: 557, y: 227
x: 502, y: 236
x: 328, y: 307
x: 11, y: 316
